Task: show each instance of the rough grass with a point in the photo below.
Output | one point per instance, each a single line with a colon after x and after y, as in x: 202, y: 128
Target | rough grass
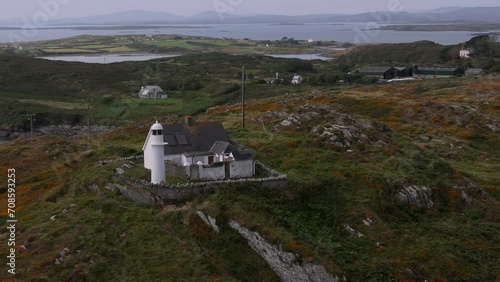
x: 437, y: 138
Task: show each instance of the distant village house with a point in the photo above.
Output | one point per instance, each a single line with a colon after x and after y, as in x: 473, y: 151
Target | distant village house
x: 297, y: 79
x: 429, y: 72
x: 465, y: 54
x: 387, y: 73
x: 152, y: 92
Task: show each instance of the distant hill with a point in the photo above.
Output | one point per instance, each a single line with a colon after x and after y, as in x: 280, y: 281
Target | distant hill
x: 443, y: 9
x: 442, y: 15
x: 476, y: 14
x: 126, y: 17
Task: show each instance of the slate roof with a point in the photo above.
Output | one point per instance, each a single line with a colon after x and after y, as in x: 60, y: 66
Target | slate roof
x: 147, y: 89
x: 377, y: 70
x: 198, y: 154
x: 199, y: 137
x: 472, y: 71
x: 221, y: 147
x: 243, y: 155
x: 400, y: 68
x: 438, y: 69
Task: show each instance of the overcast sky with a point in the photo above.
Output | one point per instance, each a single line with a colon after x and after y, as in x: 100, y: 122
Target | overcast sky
x: 76, y: 8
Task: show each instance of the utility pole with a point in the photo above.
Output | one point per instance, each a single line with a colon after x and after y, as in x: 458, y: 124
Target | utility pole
x: 87, y: 106
x: 243, y: 79
x: 31, y: 119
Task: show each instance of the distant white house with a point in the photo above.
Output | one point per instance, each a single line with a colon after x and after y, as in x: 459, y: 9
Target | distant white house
x: 152, y: 92
x: 297, y: 79
x: 465, y: 54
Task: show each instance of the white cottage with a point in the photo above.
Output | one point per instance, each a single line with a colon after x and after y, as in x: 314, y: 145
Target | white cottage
x: 200, y: 151
x: 152, y: 92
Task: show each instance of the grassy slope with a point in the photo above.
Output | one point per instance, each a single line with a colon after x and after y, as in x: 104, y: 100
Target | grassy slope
x: 329, y: 187
x: 424, y: 53
x: 57, y: 90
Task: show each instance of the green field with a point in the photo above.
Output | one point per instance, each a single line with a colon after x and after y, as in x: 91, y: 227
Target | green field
x: 172, y: 44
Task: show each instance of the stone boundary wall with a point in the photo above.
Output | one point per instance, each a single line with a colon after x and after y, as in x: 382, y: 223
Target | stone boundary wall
x: 175, y: 170
x: 103, y: 162
x: 156, y: 194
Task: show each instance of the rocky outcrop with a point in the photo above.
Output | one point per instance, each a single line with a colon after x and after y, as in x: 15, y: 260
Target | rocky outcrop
x: 297, y: 119
x: 331, y: 125
x: 285, y: 264
x: 62, y: 256
x: 419, y: 196
x: 468, y: 189
x: 7, y: 134
x: 210, y: 221
x: 353, y: 232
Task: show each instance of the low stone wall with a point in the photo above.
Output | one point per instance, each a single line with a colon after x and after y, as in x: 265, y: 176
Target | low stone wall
x: 103, y: 162
x: 173, y: 169
x: 207, y: 172
x: 156, y: 194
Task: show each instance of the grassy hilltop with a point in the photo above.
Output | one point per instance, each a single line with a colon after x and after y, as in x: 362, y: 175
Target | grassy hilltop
x: 350, y: 151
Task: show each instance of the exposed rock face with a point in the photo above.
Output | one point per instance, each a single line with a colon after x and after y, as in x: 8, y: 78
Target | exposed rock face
x: 286, y: 265
x: 353, y: 231
x: 7, y: 134
x: 210, y: 221
x: 297, y: 119
x: 419, y: 196
x: 307, y: 113
x: 283, y: 263
x: 468, y: 188
x: 340, y: 136
x: 331, y: 125
x: 62, y: 256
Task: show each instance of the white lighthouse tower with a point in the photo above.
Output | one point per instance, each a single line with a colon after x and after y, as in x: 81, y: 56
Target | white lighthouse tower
x: 154, y: 153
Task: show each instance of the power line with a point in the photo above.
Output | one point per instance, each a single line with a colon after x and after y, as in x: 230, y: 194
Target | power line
x: 87, y: 106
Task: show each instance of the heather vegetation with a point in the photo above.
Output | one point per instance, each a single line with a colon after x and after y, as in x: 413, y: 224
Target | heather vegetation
x: 351, y: 151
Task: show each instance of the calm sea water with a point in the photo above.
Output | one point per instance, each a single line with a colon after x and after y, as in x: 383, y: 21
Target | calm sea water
x: 351, y: 32
x: 107, y: 59
x: 115, y: 58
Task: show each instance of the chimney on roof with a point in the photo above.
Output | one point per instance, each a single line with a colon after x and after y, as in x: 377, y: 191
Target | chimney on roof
x: 188, y: 121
